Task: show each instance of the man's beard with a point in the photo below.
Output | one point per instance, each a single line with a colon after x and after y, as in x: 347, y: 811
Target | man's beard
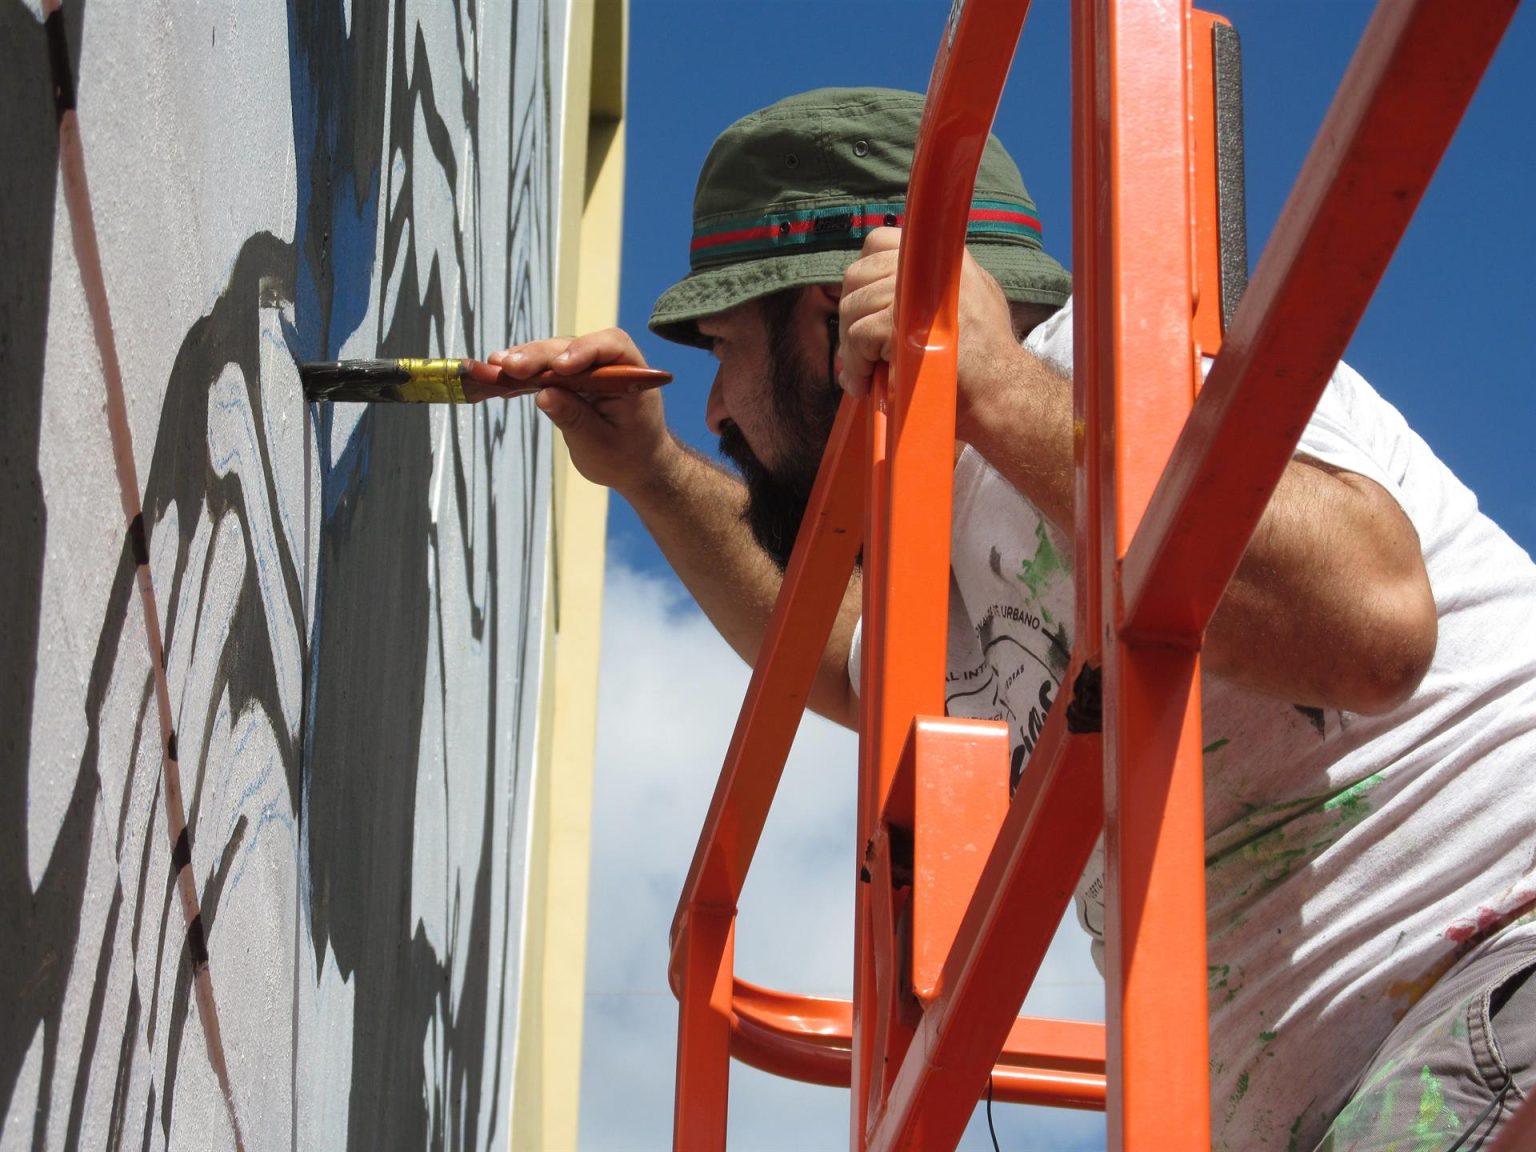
x: 804, y: 408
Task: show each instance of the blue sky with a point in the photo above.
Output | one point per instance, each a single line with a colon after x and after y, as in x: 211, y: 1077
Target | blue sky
x: 1450, y: 339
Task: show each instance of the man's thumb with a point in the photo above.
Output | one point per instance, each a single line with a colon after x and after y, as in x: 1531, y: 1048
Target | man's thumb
x: 563, y: 409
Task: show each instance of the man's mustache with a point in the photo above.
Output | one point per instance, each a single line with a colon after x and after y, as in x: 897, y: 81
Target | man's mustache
x: 734, y: 447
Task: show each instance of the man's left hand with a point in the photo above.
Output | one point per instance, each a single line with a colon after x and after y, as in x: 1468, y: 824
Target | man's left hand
x: 989, y: 352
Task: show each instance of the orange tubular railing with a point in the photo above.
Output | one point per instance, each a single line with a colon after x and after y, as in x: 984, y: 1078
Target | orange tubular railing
x: 944, y: 954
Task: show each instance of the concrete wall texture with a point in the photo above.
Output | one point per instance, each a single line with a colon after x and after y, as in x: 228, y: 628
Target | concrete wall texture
x: 269, y: 673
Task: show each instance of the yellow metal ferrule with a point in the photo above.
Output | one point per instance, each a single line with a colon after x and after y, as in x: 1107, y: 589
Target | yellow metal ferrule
x: 433, y: 381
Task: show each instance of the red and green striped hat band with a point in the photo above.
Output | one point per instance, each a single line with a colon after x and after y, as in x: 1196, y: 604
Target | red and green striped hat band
x: 788, y: 194
x: 736, y: 264
x: 842, y: 227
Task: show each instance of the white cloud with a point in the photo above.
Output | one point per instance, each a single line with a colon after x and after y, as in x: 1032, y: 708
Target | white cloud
x: 670, y: 692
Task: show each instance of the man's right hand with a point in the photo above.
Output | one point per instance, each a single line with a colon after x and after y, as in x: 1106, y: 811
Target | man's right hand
x: 691, y: 506
x: 621, y: 442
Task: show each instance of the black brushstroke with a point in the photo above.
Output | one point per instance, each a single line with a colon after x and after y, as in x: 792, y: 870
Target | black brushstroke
x: 197, y: 944
x: 362, y: 582
x: 138, y: 543
x: 194, y: 956
x: 181, y: 851
x: 61, y: 63
x: 181, y: 474
x: 40, y: 927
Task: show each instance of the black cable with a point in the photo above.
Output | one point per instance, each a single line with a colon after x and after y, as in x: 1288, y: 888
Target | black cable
x: 1478, y: 1123
x: 990, y: 1128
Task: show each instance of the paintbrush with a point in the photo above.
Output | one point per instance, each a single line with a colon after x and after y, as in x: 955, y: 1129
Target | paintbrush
x: 458, y: 381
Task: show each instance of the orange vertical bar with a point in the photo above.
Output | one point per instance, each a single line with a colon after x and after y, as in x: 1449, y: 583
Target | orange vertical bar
x: 866, y: 993
x: 1026, y: 884
x: 1144, y: 380
x: 901, y: 674
x: 1415, y: 71
x: 905, y: 675
x: 704, y: 1032
x: 1091, y: 283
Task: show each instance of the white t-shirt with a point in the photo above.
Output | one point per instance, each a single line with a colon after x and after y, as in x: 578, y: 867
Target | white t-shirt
x: 1350, y: 859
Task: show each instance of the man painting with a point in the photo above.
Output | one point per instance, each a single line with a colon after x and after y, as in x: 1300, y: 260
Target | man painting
x: 1369, y: 675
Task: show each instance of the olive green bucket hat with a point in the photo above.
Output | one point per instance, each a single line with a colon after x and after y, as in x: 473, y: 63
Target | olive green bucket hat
x: 787, y: 195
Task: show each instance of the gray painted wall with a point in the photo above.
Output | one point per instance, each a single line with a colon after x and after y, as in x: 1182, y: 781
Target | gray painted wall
x: 268, y: 673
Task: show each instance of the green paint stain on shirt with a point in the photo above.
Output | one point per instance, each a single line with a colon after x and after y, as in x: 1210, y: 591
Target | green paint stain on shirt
x: 1267, y: 1037
x: 1215, y: 746
x: 1037, y: 573
x: 1217, y: 978
x: 1241, y: 1090
x: 1294, y: 1143
x: 1350, y: 804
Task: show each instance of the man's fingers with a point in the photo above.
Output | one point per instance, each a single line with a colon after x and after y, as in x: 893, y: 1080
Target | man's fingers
x: 610, y: 346
x: 864, y: 315
x: 882, y: 240
x: 864, y: 310
x: 869, y: 269
x: 567, y: 355
x: 866, y: 301
x: 524, y: 360
x: 867, y: 343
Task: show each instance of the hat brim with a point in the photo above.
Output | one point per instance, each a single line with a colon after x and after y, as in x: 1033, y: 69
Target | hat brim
x: 1027, y: 276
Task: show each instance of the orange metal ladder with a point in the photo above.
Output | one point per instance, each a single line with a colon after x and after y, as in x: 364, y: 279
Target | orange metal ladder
x: 943, y: 963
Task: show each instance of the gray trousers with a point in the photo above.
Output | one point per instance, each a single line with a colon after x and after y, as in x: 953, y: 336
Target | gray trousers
x: 1457, y: 1066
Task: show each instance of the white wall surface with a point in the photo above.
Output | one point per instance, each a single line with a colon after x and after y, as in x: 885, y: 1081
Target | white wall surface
x: 321, y: 655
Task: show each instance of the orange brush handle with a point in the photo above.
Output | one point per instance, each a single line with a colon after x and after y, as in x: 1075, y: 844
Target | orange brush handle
x: 483, y: 381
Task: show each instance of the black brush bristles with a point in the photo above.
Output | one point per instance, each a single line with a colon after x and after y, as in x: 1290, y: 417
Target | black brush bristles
x: 353, y: 381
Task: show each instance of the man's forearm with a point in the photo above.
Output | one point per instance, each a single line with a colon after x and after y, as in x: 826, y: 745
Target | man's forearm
x: 693, y: 509
x: 1022, y: 426
x: 1330, y: 605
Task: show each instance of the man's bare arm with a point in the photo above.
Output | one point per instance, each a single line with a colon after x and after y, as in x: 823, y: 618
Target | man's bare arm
x: 690, y: 506
x: 1331, y: 604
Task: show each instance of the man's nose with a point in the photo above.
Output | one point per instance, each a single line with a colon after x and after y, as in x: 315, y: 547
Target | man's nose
x: 715, y: 411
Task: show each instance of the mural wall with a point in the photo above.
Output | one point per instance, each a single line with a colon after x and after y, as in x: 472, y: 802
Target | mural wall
x: 268, y: 671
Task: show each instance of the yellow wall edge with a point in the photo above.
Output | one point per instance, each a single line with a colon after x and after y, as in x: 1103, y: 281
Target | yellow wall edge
x: 545, y: 1098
